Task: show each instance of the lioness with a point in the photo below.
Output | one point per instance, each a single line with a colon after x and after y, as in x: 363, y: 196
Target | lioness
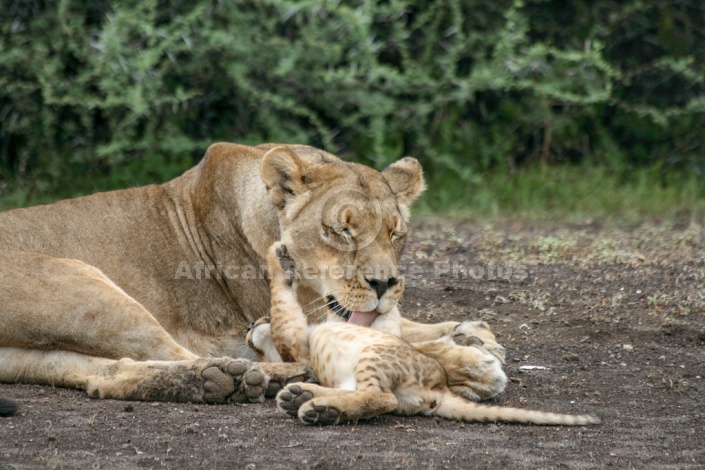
x: 365, y: 372
x: 146, y: 293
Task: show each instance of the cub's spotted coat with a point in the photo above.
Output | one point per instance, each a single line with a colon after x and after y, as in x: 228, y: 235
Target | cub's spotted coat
x: 364, y: 372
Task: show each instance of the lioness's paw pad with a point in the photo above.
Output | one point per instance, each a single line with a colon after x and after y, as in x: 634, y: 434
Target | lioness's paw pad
x: 254, y: 383
x: 479, y: 335
x: 217, y: 385
x: 480, y: 380
x: 235, y: 380
x: 292, y: 398
x: 462, y: 339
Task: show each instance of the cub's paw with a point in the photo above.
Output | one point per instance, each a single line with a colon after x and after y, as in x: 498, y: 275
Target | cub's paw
x: 312, y: 413
x: 291, y: 398
x: 232, y: 381
x: 301, y: 401
x: 286, y: 262
x: 259, y: 339
x: 478, y: 334
x: 279, y: 260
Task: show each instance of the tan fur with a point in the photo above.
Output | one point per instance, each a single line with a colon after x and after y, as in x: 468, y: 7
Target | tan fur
x: 87, y: 282
x: 364, y: 372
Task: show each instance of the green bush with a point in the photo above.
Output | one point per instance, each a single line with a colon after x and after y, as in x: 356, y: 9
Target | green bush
x: 99, y: 95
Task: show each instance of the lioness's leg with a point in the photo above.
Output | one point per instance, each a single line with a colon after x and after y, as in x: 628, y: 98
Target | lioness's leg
x: 314, y: 404
x: 472, y: 372
x: 64, y: 304
x: 469, y: 354
x: 212, y: 380
x: 414, y: 332
x: 64, y: 323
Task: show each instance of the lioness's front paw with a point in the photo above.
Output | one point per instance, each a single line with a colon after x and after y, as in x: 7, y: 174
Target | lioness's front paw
x: 210, y: 380
x: 477, y: 375
x: 232, y: 380
x: 479, y: 335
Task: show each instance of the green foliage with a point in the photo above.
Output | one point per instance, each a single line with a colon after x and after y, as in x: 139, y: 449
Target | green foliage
x: 104, y: 94
x: 576, y: 193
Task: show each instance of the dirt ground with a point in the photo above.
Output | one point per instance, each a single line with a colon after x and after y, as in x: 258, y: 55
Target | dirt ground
x: 617, y: 317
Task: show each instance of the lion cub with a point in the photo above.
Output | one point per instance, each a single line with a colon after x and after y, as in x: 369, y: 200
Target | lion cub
x: 364, y: 372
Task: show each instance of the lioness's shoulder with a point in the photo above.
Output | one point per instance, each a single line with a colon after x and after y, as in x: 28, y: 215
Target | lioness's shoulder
x: 224, y: 153
x: 305, y: 152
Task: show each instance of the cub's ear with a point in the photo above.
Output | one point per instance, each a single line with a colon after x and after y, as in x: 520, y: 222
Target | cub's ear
x: 405, y: 177
x: 282, y: 173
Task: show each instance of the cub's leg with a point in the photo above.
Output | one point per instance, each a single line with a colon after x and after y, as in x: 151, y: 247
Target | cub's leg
x: 314, y: 404
x: 289, y: 325
x: 259, y: 339
x: 285, y: 338
x: 212, y: 380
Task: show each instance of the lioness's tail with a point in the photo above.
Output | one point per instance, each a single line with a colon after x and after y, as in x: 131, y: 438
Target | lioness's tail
x: 7, y: 407
x: 454, y: 407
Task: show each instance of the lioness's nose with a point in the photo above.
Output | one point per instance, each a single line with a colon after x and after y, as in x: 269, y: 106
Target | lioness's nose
x: 381, y: 286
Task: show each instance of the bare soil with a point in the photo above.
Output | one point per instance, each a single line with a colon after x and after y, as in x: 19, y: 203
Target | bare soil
x: 617, y: 317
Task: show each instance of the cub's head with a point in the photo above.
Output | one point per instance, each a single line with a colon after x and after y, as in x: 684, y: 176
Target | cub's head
x: 345, y: 224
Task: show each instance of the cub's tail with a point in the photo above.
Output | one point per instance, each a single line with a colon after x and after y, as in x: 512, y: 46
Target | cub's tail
x: 7, y: 407
x: 453, y: 407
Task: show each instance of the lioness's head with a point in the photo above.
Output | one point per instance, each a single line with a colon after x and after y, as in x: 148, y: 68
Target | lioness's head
x: 345, y: 225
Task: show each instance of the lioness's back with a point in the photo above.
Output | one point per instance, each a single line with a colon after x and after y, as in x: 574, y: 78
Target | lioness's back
x: 81, y: 228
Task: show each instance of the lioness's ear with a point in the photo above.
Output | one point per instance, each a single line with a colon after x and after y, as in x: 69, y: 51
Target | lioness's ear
x: 282, y: 173
x: 405, y: 177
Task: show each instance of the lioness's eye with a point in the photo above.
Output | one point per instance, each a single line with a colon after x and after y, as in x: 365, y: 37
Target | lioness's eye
x: 398, y: 235
x: 326, y: 230
x: 346, y: 231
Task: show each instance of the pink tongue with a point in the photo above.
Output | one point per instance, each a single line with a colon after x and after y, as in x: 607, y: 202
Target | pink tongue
x: 363, y: 318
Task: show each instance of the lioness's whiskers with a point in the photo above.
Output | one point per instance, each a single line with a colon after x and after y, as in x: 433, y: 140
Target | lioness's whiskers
x: 316, y: 300
x: 322, y: 309
x: 322, y: 298
x: 319, y: 313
